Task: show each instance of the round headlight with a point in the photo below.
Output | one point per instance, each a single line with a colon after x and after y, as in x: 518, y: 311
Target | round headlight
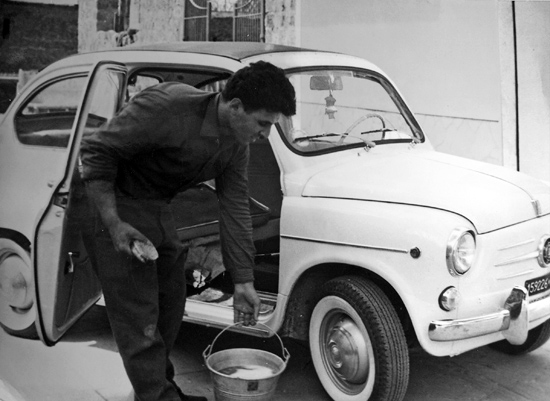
x: 461, y: 250
x: 544, y: 251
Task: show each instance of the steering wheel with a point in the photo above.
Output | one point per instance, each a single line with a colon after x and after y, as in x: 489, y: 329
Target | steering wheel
x: 365, y: 117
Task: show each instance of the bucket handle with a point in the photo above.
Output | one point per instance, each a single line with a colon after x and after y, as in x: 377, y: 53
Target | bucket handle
x: 208, y: 351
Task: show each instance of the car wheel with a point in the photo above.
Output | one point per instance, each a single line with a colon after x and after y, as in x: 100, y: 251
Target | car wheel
x: 357, y: 342
x: 536, y: 338
x: 17, y: 306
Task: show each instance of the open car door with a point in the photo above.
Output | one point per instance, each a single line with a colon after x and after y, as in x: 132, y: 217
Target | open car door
x: 65, y: 284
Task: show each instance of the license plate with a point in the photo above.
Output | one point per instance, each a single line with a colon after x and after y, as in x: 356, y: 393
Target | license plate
x: 538, y: 285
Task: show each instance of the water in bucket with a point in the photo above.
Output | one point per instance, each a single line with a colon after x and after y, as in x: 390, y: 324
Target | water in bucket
x: 248, y: 372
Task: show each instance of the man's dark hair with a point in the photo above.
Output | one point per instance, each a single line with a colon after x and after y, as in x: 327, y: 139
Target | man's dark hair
x: 262, y: 85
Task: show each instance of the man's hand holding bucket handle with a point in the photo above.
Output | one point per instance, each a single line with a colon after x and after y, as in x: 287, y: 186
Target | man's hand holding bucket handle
x: 246, y: 304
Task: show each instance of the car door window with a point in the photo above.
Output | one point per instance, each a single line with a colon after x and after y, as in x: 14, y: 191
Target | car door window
x: 46, y: 119
x: 212, y: 81
x: 106, y: 100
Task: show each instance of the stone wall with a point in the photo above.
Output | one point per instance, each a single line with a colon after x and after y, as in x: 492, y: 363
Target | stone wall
x: 96, y: 25
x: 158, y: 21
x: 162, y: 20
x: 35, y: 35
x: 106, y: 11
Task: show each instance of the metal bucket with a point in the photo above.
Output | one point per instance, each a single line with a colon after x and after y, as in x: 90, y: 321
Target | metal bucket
x: 227, y: 387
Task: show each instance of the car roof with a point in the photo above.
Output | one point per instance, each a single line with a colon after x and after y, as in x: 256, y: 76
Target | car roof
x: 234, y: 50
x: 229, y: 56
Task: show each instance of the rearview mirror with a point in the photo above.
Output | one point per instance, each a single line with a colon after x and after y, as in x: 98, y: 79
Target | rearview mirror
x: 325, y: 83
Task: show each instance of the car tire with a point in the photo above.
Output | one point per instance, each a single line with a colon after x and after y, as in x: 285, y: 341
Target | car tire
x: 16, y: 270
x: 536, y: 338
x: 357, y: 342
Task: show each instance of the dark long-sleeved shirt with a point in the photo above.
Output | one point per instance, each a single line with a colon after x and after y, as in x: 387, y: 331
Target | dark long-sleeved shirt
x: 167, y: 139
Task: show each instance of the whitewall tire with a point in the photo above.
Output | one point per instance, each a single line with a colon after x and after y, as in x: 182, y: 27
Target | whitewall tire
x: 357, y: 342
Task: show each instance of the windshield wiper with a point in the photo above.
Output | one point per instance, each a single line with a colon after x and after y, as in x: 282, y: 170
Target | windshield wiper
x: 368, y: 144
x: 382, y: 130
x: 306, y: 138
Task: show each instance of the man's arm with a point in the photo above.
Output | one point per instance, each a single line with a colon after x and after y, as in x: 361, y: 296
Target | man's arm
x: 236, y: 237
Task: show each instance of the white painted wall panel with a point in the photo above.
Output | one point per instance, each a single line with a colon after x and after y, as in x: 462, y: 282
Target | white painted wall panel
x: 443, y: 55
x: 533, y: 64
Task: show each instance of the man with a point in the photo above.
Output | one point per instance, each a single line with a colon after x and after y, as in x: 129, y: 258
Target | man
x: 168, y: 138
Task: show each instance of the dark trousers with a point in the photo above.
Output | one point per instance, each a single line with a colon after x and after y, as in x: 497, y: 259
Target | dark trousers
x: 145, y: 302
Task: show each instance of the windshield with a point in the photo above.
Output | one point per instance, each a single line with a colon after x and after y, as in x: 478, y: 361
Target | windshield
x: 338, y: 109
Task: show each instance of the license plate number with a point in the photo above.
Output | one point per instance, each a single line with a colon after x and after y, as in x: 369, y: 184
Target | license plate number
x: 538, y: 285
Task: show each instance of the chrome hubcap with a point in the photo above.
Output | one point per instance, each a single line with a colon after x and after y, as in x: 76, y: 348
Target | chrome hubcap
x: 346, y: 350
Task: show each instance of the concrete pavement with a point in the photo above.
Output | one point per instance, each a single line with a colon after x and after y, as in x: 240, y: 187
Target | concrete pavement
x: 85, y: 366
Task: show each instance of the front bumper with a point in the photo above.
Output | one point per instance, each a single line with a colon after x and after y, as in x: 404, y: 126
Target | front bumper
x: 513, y: 320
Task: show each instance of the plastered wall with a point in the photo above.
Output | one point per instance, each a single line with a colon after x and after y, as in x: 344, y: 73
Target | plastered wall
x: 443, y: 56
x: 280, y: 24
x: 533, y: 71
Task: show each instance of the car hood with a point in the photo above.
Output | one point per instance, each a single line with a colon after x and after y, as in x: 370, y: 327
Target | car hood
x: 491, y: 197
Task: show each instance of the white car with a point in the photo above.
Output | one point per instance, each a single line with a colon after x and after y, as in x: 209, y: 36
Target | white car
x: 368, y: 240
